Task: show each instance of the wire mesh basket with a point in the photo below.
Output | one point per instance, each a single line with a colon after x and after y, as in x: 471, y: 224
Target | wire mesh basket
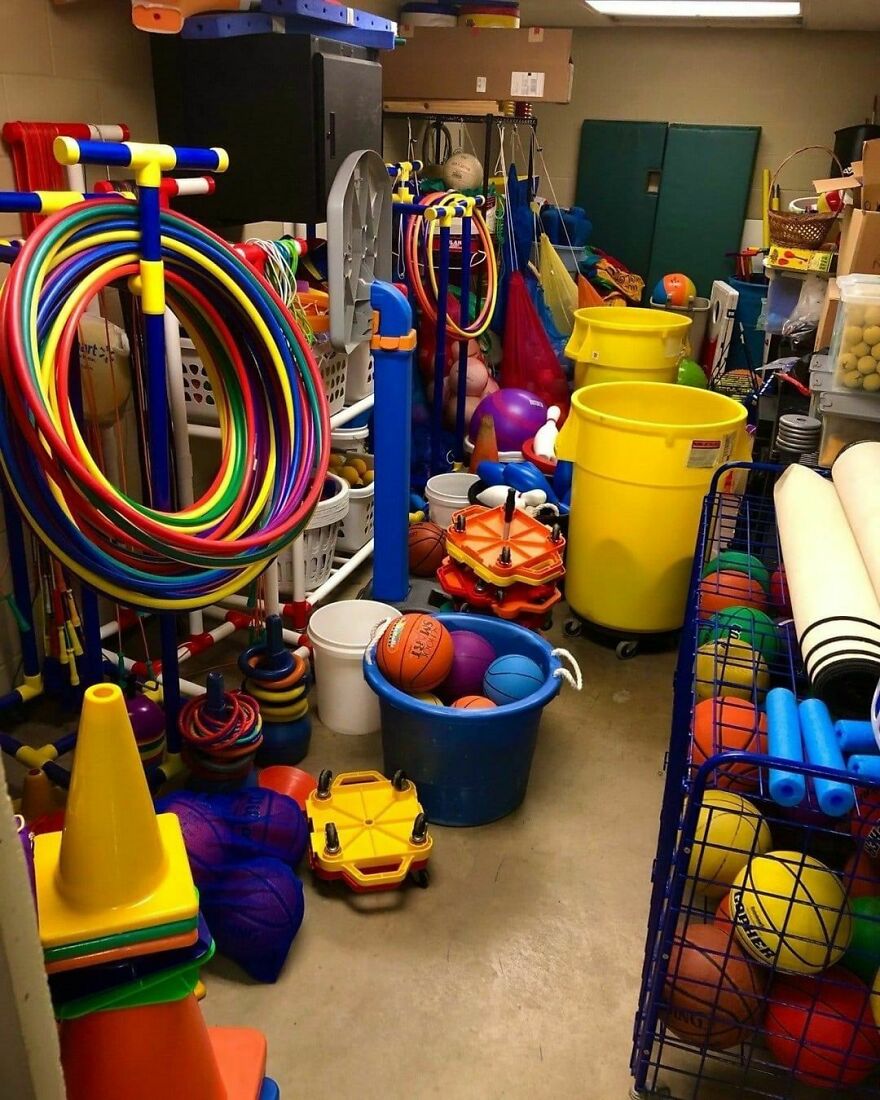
x: 763, y: 940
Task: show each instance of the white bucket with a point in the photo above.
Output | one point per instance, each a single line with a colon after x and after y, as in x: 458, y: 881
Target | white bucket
x: 447, y: 493
x: 340, y: 634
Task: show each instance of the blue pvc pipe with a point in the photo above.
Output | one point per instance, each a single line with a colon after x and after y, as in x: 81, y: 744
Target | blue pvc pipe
x: 392, y: 420
x: 118, y: 153
x: 438, y: 458
x: 834, y: 798
x: 865, y: 767
x: 853, y: 736
x: 784, y: 740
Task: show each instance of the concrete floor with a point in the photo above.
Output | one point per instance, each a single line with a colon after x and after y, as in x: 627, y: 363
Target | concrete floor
x: 516, y: 973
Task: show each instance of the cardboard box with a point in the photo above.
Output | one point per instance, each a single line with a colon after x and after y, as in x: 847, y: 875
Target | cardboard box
x: 829, y: 314
x: 799, y: 259
x: 860, y: 243
x: 480, y: 63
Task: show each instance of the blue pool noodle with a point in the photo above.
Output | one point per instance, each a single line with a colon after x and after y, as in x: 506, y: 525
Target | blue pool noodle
x: 784, y: 740
x: 865, y: 767
x: 855, y: 736
x: 820, y: 741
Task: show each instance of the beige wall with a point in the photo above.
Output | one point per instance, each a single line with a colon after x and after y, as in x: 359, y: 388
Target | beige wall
x: 798, y: 86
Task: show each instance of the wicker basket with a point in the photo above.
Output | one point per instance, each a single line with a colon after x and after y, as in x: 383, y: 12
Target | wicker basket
x: 800, y: 230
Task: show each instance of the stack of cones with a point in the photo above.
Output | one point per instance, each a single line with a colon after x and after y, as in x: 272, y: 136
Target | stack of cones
x: 122, y: 942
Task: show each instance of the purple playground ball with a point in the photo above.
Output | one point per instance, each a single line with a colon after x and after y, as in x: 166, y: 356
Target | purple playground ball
x: 517, y: 415
x: 147, y: 718
x: 472, y: 655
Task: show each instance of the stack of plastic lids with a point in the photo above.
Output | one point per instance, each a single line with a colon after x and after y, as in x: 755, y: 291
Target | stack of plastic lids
x: 423, y: 13
x: 832, y: 566
x: 502, y: 14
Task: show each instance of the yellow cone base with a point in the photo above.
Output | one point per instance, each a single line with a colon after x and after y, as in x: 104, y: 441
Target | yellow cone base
x: 173, y: 899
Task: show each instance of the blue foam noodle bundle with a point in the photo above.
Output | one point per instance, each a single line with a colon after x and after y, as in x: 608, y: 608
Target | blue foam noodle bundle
x: 853, y: 736
x: 784, y: 740
x: 820, y: 742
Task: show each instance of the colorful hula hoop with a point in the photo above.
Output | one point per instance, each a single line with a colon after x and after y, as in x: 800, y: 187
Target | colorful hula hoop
x: 274, y: 421
x: 419, y: 256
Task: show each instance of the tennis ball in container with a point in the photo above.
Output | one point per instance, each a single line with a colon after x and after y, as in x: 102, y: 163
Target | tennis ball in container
x: 875, y: 351
x: 847, y: 361
x: 860, y: 349
x: 871, y: 383
x: 852, y: 380
x: 867, y: 364
x: 872, y: 315
x: 852, y: 334
x: 871, y: 335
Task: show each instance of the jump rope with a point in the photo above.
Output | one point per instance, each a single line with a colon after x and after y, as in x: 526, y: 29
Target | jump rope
x: 273, y: 414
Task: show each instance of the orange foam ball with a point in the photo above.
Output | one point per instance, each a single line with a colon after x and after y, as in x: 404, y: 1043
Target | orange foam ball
x: 728, y: 724
x: 726, y: 588
x: 474, y: 702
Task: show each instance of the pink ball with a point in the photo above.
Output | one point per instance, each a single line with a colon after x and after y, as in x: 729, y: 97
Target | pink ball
x: 477, y: 378
x: 517, y: 414
x: 450, y: 409
x: 472, y: 655
x: 491, y: 387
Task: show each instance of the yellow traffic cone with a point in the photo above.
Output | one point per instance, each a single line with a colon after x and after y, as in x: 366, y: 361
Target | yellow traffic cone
x: 116, y: 867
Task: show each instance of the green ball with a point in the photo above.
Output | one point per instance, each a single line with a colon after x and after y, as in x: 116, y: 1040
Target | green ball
x: 735, y: 561
x: 863, y: 954
x: 746, y: 624
x: 692, y: 374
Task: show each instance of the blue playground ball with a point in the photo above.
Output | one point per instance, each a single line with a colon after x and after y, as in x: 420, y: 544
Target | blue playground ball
x: 511, y: 678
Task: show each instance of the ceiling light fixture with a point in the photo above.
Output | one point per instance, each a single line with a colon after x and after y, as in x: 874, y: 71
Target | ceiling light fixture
x: 698, y: 9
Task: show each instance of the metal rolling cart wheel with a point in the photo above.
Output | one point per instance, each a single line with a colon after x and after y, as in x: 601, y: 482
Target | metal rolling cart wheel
x: 627, y: 648
x: 572, y: 628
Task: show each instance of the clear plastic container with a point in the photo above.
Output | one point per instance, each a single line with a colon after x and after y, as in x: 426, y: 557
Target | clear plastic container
x: 855, y: 344
x: 840, y: 431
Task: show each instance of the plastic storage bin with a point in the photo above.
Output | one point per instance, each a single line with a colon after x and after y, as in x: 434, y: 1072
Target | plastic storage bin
x: 839, y: 431
x: 359, y: 374
x: 626, y: 345
x: 855, y: 343
x: 698, y: 312
x: 319, y: 538
x: 356, y: 529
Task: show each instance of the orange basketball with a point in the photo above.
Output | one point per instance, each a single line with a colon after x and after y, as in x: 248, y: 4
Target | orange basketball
x: 415, y: 652
x: 727, y: 724
x: 427, y: 549
x: 728, y: 589
x: 474, y: 702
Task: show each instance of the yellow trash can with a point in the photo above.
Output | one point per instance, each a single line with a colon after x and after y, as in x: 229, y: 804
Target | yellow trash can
x: 644, y: 454
x: 626, y: 345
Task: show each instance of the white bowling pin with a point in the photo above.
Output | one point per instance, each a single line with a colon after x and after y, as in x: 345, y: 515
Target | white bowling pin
x: 545, y: 436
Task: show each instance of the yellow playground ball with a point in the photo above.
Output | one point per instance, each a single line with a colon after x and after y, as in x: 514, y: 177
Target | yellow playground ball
x: 428, y: 697
x: 790, y: 912
x: 730, y: 667
x: 730, y: 831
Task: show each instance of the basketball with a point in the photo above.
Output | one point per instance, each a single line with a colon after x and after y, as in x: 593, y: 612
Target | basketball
x: 472, y: 655
x: 733, y: 668
x: 865, y: 828
x: 511, y: 678
x: 730, y: 830
x: 415, y: 652
x: 428, y: 697
x: 727, y: 724
x: 822, y: 1029
x: 722, y: 919
x: 729, y: 589
x: 791, y: 912
x: 712, y: 992
x: 474, y: 702
x: 736, y: 561
x: 427, y: 548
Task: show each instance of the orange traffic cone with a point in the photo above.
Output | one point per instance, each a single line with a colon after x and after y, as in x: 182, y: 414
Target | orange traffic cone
x: 587, y: 294
x: 485, y: 445
x: 38, y: 796
x: 160, y: 1052
x: 116, y: 867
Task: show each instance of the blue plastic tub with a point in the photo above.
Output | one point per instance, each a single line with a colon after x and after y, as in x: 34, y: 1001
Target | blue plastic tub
x: 470, y: 766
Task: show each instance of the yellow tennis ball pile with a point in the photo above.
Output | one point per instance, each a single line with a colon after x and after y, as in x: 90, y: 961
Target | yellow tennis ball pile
x: 858, y: 360
x: 353, y: 468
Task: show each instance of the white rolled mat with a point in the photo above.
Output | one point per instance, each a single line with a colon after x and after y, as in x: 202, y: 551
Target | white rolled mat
x: 856, y: 476
x: 836, y: 610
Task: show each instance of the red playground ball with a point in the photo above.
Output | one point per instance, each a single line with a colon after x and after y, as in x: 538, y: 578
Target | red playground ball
x: 427, y: 549
x: 415, y: 652
x: 512, y: 678
x: 473, y: 702
x: 822, y: 1029
x: 294, y: 782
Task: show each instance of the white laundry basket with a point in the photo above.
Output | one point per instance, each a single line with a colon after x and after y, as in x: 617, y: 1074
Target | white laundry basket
x: 350, y: 440
x: 359, y: 374
x: 357, y: 527
x: 319, y: 539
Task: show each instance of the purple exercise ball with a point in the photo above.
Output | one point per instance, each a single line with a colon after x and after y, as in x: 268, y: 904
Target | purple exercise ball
x: 472, y: 655
x: 517, y: 415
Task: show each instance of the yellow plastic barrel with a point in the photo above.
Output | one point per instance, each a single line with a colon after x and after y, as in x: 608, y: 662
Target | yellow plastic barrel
x: 626, y: 345
x: 644, y: 455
